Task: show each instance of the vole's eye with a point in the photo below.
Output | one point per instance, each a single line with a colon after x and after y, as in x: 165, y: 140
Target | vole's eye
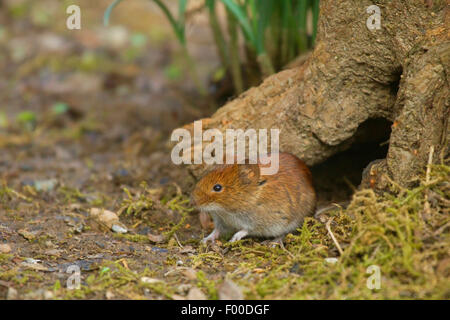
x: 217, y: 188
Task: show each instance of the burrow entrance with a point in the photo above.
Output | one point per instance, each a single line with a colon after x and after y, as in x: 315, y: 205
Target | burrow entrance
x: 337, y: 178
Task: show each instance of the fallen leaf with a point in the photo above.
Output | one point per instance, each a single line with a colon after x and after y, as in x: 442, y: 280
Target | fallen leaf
x: 12, y: 294
x: 228, y: 290
x: 53, y: 252
x: 34, y: 266
x: 5, y: 248
x: 148, y: 280
x: 189, y: 273
x: 26, y: 234
x: 109, y: 295
x: 195, y: 294
x: 331, y: 260
x: 157, y: 238
x: 187, y: 249
x: 108, y: 219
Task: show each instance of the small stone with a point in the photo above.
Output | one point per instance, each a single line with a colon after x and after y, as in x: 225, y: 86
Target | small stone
x: 5, y: 248
x: 109, y: 295
x: 34, y: 264
x: 26, y: 234
x: 45, y: 185
x: 109, y: 219
x: 189, y: 273
x: 230, y: 291
x: 12, y: 294
x: 158, y: 249
x: 183, y: 288
x: 118, y: 229
x: 148, y: 280
x: 48, y: 295
x: 32, y: 261
x: 331, y: 260
x: 196, y: 294
x: 156, y: 238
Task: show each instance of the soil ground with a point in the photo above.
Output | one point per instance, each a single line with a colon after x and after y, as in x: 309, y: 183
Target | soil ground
x: 85, y: 117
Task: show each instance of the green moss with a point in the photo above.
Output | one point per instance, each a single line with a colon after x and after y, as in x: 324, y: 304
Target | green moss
x: 7, y: 194
x: 137, y: 205
x: 8, y: 274
x: 209, y: 285
x: 116, y: 276
x: 131, y: 237
x: 71, y: 195
x: 20, y: 277
x: 388, y: 231
x: 178, y: 204
x: 4, y: 257
x: 146, y: 201
x: 396, y: 232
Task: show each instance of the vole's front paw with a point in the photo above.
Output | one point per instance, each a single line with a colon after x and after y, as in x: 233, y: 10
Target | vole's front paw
x: 213, y: 236
x: 239, y: 235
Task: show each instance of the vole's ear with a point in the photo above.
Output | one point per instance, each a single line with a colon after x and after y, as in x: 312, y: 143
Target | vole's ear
x: 248, y: 173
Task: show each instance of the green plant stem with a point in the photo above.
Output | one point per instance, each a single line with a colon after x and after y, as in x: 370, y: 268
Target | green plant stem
x: 235, y: 64
x: 315, y: 11
x: 288, y: 42
x: 218, y: 37
x: 274, y: 37
x: 303, y: 40
x: 265, y: 64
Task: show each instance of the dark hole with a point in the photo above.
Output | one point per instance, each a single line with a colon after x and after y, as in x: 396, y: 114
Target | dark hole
x: 395, y: 84
x: 334, y: 178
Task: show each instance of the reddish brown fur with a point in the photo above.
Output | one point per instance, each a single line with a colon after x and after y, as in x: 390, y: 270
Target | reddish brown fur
x: 270, y: 205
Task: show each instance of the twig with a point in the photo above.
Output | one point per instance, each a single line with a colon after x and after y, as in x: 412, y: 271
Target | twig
x: 176, y: 269
x: 426, y: 206
x: 178, y: 241
x: 430, y: 161
x: 341, y: 252
x: 280, y: 242
x: 440, y: 198
x: 441, y: 229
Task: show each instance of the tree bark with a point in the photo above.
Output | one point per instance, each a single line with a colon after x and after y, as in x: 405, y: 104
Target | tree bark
x: 399, y: 73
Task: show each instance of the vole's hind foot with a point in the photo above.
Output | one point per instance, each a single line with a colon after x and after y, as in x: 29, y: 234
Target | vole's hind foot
x: 239, y: 235
x: 278, y: 242
x: 275, y: 242
x: 213, y: 236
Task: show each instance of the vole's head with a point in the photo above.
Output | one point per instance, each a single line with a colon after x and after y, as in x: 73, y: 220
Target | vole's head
x: 226, y: 188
